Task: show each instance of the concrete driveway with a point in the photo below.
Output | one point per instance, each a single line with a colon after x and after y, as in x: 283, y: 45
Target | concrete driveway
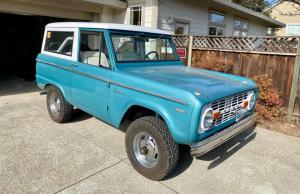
x: 88, y: 156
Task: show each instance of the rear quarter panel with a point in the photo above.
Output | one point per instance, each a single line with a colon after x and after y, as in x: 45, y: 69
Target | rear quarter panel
x: 54, y: 71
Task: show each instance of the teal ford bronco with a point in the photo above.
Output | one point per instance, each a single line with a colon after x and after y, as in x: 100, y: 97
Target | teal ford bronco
x: 132, y: 78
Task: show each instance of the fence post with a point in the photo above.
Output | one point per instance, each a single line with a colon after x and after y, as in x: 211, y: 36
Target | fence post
x: 295, y: 86
x: 190, y: 52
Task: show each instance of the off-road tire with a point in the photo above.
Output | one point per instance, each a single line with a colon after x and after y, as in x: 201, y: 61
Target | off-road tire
x: 167, y: 148
x: 65, y: 113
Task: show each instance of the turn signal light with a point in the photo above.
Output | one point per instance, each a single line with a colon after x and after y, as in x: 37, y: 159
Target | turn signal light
x: 217, y: 115
x: 245, y: 104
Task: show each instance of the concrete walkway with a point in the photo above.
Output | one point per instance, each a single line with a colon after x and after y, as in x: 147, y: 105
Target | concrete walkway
x: 88, y: 156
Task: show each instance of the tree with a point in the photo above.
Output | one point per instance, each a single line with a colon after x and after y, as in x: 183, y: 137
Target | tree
x: 256, y: 5
x: 294, y: 3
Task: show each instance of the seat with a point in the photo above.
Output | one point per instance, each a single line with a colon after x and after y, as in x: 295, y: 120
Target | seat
x: 92, y: 58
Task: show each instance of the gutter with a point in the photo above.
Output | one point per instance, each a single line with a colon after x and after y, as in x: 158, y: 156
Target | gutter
x: 249, y: 12
x: 112, y: 3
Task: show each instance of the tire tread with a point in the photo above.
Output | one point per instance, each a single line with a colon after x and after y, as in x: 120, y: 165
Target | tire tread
x: 171, y: 146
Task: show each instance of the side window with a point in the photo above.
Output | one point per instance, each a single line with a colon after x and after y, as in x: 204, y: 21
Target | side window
x: 59, y: 42
x: 93, y: 49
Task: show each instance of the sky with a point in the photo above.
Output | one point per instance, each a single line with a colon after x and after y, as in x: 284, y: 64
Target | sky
x: 272, y: 1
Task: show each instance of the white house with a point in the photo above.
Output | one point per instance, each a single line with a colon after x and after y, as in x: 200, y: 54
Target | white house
x: 23, y: 21
x: 214, y: 17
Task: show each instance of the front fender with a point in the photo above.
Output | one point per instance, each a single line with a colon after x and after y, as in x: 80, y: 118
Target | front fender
x: 176, y: 116
x: 154, y: 107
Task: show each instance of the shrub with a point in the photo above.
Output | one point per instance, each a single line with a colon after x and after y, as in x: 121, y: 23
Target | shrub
x: 218, y: 65
x: 270, y: 104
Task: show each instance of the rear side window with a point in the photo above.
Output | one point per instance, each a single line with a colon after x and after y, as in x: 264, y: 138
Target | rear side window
x: 59, y: 42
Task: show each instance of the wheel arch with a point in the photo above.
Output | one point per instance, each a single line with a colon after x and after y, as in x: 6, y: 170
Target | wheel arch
x: 47, y: 85
x: 151, y: 110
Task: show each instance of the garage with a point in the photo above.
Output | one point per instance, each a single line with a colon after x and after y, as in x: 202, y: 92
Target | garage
x: 20, y: 41
x: 22, y: 26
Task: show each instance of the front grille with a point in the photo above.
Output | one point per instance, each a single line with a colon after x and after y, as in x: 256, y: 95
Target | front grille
x: 228, y: 107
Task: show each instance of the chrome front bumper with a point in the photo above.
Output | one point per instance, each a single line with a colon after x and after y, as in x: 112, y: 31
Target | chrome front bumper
x: 217, y: 139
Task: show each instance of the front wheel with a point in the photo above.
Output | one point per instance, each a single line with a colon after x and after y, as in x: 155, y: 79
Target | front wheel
x: 150, y: 148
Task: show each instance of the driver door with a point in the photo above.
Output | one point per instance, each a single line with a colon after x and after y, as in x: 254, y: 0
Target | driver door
x: 91, y: 74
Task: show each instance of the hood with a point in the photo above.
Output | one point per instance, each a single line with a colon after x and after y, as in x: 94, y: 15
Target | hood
x: 209, y: 84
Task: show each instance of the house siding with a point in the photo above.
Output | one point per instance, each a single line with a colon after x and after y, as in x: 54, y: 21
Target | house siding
x: 257, y: 28
x: 193, y: 11
x: 197, y: 13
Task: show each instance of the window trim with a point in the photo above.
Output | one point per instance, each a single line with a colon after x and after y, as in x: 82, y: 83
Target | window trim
x: 74, y: 48
x: 141, y: 9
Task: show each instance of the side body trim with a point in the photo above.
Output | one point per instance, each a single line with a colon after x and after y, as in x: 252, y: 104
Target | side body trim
x: 115, y: 83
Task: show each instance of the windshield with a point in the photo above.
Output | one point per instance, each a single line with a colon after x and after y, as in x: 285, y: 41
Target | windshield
x: 141, y: 48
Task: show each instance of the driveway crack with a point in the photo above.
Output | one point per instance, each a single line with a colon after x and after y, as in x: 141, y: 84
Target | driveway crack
x: 88, y: 177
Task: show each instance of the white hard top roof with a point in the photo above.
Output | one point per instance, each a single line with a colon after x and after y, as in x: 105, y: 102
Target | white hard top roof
x: 110, y: 26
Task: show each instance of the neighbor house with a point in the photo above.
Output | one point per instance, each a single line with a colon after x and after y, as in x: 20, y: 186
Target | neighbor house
x: 288, y: 13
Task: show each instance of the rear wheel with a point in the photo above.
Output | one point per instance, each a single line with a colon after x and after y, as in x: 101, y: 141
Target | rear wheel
x: 59, y: 109
x: 150, y: 148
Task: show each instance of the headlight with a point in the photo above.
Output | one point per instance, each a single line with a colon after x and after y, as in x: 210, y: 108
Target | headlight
x: 207, y: 119
x: 251, y: 100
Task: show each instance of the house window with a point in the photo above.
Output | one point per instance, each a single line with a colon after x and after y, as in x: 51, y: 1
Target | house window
x: 136, y: 15
x: 181, y: 28
x: 240, y: 27
x: 293, y: 29
x: 217, y: 23
x: 216, y: 31
x: 59, y: 42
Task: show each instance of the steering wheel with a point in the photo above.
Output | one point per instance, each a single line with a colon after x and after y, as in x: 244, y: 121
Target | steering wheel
x: 156, y: 57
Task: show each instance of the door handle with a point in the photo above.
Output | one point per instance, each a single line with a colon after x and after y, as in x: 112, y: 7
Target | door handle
x: 75, y: 64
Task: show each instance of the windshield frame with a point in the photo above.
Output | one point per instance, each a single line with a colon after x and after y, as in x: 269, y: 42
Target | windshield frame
x: 144, y: 34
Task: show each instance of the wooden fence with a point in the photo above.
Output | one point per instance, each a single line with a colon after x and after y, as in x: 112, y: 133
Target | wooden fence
x: 277, y: 57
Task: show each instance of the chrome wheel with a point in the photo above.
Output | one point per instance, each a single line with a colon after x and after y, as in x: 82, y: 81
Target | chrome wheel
x: 145, y: 150
x: 55, y: 104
